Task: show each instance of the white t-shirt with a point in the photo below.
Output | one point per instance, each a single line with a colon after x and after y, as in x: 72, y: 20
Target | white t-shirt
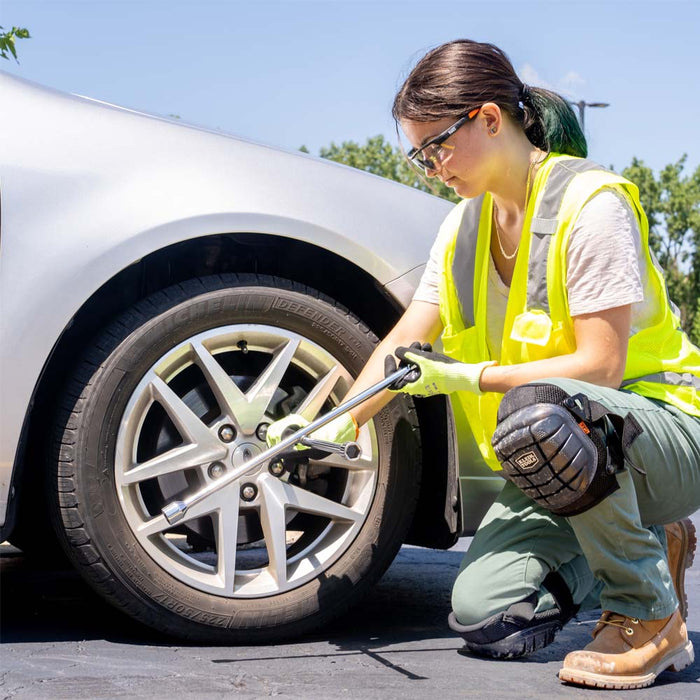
x: 603, y: 269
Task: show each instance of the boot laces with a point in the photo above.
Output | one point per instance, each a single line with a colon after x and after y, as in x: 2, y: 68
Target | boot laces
x: 621, y: 622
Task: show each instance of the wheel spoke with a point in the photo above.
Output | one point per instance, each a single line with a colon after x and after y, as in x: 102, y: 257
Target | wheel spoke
x: 213, y: 502
x: 188, y: 424
x: 153, y: 526
x: 338, y: 461
x: 230, y: 398
x: 227, y: 543
x: 260, y: 394
x: 312, y: 404
x: 175, y: 460
x: 272, y: 519
x: 309, y: 502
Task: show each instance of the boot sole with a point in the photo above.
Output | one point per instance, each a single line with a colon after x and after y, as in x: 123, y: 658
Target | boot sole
x: 676, y: 661
x: 688, y: 545
x: 515, y: 645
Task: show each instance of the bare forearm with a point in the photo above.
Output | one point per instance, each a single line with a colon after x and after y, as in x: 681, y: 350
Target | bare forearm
x: 501, y: 378
x: 420, y: 322
x: 371, y: 374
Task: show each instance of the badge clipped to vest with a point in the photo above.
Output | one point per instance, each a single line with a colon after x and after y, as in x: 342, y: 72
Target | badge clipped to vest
x: 532, y: 327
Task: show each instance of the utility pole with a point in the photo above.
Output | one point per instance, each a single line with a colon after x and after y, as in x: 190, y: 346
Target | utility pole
x: 582, y: 104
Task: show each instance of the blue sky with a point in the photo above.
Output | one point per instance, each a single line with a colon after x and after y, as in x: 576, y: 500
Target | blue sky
x: 300, y: 72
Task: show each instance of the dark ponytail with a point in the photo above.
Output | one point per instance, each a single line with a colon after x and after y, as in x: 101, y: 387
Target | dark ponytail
x: 458, y: 76
x: 550, y: 123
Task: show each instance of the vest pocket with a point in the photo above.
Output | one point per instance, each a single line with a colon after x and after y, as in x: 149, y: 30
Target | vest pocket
x: 533, y: 327
x: 534, y: 336
x: 462, y: 345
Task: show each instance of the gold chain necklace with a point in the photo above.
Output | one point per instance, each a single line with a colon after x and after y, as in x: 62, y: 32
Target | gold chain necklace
x: 499, y: 231
x: 498, y: 236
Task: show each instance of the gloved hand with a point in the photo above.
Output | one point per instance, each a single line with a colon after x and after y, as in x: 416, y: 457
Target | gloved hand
x: 436, y: 374
x: 340, y: 429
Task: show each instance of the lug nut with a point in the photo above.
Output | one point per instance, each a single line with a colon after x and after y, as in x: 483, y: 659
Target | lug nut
x: 277, y: 468
x: 227, y: 433
x: 261, y: 431
x: 249, y: 492
x: 216, y: 470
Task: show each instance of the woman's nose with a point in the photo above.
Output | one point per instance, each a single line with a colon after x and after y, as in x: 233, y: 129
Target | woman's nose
x: 434, y: 170
x: 440, y: 173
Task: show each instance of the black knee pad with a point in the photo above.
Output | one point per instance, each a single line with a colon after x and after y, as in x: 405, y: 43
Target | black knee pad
x: 518, y: 631
x: 560, y: 450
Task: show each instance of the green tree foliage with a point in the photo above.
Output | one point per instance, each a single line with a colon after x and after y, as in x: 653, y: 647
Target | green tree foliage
x: 672, y: 204
x: 695, y: 328
x: 379, y: 157
x: 7, y: 41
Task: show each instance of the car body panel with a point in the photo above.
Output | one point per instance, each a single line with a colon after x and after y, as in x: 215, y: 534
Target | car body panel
x: 88, y: 188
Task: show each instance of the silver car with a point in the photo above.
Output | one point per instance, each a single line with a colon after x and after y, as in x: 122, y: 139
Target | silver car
x: 167, y: 292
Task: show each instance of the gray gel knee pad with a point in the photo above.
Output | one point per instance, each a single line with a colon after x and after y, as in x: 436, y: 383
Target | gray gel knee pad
x: 559, y: 460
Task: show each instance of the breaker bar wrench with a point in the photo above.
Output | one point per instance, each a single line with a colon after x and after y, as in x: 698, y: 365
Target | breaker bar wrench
x: 176, y: 510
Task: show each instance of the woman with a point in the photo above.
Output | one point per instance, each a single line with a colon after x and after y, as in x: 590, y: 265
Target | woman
x: 580, y: 388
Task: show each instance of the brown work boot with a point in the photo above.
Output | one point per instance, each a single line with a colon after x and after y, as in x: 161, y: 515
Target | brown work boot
x: 629, y: 653
x: 680, y: 546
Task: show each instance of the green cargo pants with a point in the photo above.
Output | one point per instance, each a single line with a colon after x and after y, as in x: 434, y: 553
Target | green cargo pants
x: 613, y: 555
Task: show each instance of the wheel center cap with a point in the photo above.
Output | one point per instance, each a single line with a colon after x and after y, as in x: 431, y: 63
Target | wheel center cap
x: 244, y: 453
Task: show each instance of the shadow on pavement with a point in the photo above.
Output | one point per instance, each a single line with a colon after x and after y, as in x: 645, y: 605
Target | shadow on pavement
x: 49, y: 604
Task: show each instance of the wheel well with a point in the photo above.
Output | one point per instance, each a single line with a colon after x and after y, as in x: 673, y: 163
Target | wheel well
x: 262, y: 254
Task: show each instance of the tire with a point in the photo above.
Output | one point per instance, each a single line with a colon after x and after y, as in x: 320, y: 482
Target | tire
x: 141, y: 426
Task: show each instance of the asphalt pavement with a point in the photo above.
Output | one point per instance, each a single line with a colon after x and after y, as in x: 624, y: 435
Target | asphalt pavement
x: 59, y: 640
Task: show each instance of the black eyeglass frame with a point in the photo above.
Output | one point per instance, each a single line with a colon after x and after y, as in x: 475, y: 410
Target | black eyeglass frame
x: 428, y: 164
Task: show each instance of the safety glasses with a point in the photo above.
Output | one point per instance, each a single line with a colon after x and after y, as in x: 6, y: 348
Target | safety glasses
x: 431, y: 154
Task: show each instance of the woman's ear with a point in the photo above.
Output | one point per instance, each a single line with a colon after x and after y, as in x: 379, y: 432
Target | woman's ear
x: 492, y: 117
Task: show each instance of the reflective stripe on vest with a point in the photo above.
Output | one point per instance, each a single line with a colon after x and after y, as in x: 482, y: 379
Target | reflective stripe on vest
x: 544, y: 225
x: 465, y: 258
x: 672, y: 378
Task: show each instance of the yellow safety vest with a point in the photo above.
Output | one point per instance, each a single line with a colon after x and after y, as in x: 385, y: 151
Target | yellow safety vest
x: 661, y: 361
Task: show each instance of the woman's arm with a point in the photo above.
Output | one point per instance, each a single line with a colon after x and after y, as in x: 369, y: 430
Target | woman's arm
x: 599, y: 358
x: 420, y: 321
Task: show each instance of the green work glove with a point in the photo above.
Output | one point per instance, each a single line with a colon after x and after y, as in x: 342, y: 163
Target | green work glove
x: 436, y: 373
x: 341, y: 429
